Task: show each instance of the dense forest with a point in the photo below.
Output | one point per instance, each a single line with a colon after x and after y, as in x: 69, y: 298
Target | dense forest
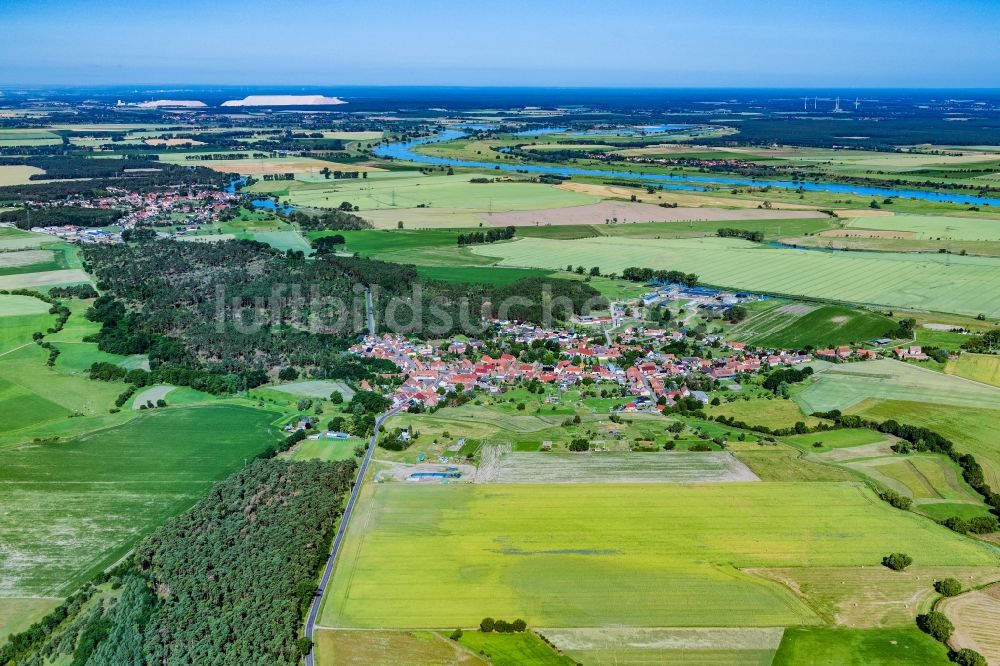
x: 167, y: 175
x: 227, y: 582
x: 241, y: 309
x: 60, y: 215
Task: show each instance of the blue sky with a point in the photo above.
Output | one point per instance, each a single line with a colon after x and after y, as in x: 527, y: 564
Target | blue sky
x: 899, y: 43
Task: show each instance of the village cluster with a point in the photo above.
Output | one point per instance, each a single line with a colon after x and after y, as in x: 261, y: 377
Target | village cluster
x: 188, y: 209
x: 654, y: 380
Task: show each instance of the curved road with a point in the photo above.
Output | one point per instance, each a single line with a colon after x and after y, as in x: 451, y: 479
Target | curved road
x: 341, y: 532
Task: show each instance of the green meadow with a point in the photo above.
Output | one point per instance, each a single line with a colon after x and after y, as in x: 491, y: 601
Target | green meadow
x: 829, y: 646
x: 931, y: 227
x: 74, y: 506
x: 793, y: 326
x: 404, y: 190
x: 582, y: 554
x: 842, y: 386
x: 972, y: 429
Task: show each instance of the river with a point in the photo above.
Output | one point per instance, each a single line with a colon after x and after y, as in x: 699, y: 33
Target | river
x: 404, y: 151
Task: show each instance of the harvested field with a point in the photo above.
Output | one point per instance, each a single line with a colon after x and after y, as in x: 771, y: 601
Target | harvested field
x: 678, y: 197
x: 844, y: 385
x: 317, y: 388
x: 976, y: 616
x: 259, y: 167
x: 868, y: 233
x: 173, y: 142
x: 389, y: 648
x: 45, y: 278
x: 15, y: 239
x: 18, y: 174
x: 627, y: 213
x: 941, y: 282
x: 619, y: 646
x: 873, y: 596
x: 620, y: 467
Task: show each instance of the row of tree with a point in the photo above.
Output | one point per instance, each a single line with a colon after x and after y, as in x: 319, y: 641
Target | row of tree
x: 227, y: 582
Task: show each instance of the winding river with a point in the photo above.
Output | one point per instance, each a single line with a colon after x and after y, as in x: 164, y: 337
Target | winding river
x: 404, y: 151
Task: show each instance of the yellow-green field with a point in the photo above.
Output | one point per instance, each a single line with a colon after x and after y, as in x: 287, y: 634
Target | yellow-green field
x: 17, y: 174
x: 931, y: 227
x: 983, y: 368
x: 406, y: 190
x: 581, y: 554
x: 972, y: 429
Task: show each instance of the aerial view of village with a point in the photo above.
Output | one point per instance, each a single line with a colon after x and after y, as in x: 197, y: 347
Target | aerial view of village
x: 329, y: 348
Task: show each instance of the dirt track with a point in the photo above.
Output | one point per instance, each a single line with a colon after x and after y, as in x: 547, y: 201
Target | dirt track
x: 624, y: 212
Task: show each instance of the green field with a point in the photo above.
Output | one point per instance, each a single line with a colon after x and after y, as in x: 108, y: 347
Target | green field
x: 932, y: 227
x: 923, y: 478
x: 946, y: 283
x: 75, y: 506
x: 983, y: 368
x: 407, y: 190
x: 568, y: 555
x: 793, y: 326
x: 479, y: 274
x: 17, y: 614
x: 524, y: 649
x: 283, y: 240
x: 824, y: 646
x: 770, y: 412
x: 973, y: 430
x: 843, y: 386
x: 327, y: 449
x: 313, y: 388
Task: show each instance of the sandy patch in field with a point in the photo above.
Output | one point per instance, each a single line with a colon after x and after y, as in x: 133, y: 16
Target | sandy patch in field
x: 840, y: 320
x: 67, y: 276
x: 939, y: 327
x: 862, y: 212
x: 151, y: 395
x: 796, y: 309
x: 868, y: 233
x: 174, y: 142
x: 633, y: 212
x: 655, y: 638
x: 678, y: 197
x: 260, y: 167
x: 24, y: 258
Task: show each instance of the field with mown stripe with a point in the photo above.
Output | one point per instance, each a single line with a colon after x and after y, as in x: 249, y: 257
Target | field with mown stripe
x: 843, y: 386
x: 946, y: 283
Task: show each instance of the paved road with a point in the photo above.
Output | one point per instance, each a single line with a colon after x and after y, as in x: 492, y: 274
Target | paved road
x: 370, y: 310
x: 342, y: 531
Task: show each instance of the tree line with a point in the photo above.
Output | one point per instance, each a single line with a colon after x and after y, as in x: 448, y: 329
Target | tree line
x: 490, y: 236
x: 636, y: 274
